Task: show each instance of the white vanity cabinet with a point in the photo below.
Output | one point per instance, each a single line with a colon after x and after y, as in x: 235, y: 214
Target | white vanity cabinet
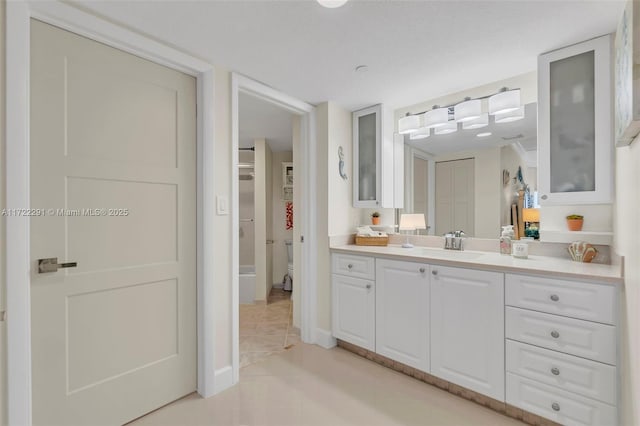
x: 402, y: 312
x: 378, y: 160
x: 575, y: 130
x: 353, y: 299
x: 467, y: 328
x: 561, y: 345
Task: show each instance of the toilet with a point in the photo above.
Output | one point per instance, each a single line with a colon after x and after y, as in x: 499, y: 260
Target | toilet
x: 289, y: 279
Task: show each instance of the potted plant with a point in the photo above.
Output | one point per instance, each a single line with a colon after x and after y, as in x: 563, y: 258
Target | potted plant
x: 574, y: 222
x: 375, y: 218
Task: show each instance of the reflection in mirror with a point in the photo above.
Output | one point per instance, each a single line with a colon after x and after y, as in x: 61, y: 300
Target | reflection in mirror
x: 476, y: 180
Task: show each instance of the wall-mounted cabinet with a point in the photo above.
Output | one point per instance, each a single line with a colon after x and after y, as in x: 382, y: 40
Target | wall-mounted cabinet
x: 575, y: 130
x: 378, y: 160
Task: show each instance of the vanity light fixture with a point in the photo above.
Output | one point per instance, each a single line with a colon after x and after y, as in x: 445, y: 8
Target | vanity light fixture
x: 508, y: 117
x: 468, y: 110
x: 332, y: 4
x: 409, y: 124
x: 436, y: 117
x: 449, y: 127
x: 422, y: 133
x: 477, y: 123
x: 484, y: 134
x: 504, y: 101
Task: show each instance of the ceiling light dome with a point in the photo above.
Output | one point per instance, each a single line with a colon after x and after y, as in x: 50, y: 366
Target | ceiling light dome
x: 476, y: 123
x: 448, y: 127
x: 505, y: 101
x: 332, y: 4
x: 468, y: 110
x: 436, y: 117
x: 409, y: 124
x: 508, y: 117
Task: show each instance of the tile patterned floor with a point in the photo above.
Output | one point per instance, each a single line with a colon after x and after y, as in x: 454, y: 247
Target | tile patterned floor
x: 267, y: 329
x: 311, y: 386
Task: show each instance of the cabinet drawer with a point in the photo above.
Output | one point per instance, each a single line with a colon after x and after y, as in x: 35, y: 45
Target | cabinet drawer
x: 593, y: 302
x: 587, y: 378
x: 555, y: 404
x: 354, y: 266
x: 586, y: 339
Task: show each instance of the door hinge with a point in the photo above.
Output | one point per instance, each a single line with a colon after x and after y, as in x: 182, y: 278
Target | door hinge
x: 302, y: 238
x: 3, y: 316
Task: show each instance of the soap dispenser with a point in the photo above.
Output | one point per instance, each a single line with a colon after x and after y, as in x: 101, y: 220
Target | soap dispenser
x: 505, y: 239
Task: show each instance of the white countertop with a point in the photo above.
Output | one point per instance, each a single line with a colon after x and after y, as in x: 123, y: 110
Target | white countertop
x: 538, y: 265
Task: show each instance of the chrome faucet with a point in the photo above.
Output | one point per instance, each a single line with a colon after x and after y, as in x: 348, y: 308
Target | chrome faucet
x: 454, y: 240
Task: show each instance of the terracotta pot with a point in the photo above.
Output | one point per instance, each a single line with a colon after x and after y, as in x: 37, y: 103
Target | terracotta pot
x: 575, y: 224
x: 375, y: 220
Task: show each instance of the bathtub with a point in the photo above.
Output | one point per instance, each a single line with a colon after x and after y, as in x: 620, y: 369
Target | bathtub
x: 247, y: 284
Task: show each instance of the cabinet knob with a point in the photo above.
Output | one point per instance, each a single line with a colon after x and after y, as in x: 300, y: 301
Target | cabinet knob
x: 554, y: 297
x: 350, y: 266
x: 555, y: 406
x: 422, y: 270
x: 555, y: 334
x: 434, y: 272
x: 544, y: 196
x: 368, y: 286
x: 555, y: 371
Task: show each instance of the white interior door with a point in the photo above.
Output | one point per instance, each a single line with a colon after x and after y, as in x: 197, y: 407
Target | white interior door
x: 113, y: 147
x: 455, y: 196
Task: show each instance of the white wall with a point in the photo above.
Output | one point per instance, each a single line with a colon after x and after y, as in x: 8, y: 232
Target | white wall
x: 336, y: 216
x: 3, y: 345
x: 280, y: 233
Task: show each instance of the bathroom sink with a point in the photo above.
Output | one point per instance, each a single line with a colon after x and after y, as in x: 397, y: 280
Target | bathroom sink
x: 448, y: 254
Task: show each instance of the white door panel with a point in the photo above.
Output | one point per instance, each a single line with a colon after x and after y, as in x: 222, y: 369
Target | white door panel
x: 113, y: 154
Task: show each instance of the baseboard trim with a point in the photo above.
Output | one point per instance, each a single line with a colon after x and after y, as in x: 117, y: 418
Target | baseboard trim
x: 223, y: 379
x: 478, y: 398
x: 325, y: 339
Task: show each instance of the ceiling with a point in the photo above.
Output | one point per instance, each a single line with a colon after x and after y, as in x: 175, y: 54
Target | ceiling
x: 522, y: 131
x: 259, y: 119
x: 415, y: 50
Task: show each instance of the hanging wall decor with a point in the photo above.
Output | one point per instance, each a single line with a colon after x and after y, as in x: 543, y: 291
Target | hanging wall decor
x: 341, y: 171
x: 289, y: 215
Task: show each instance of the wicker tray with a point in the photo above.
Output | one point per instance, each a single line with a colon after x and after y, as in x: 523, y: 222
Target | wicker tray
x: 372, y: 241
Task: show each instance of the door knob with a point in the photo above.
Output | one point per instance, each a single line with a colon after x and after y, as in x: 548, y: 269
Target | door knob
x: 51, y: 264
x: 422, y: 270
x: 555, y: 334
x: 434, y: 272
x: 554, y: 297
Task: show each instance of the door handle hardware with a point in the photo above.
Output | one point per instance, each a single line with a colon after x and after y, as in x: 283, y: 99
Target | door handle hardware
x: 544, y: 196
x: 422, y: 270
x: 555, y: 371
x: 368, y: 286
x: 434, y: 272
x: 555, y: 406
x: 555, y: 334
x: 51, y: 264
x: 350, y: 266
x: 554, y: 297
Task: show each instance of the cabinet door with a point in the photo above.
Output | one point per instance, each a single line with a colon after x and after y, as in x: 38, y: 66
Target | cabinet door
x: 367, y: 134
x: 467, y: 329
x: 575, y: 133
x: 402, y: 312
x: 353, y: 311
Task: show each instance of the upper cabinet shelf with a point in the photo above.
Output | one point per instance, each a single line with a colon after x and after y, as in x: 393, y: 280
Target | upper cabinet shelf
x: 575, y: 131
x: 378, y: 160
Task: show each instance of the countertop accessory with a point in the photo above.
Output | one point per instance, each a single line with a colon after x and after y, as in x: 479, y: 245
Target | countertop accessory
x: 411, y: 222
x: 366, y: 236
x: 520, y: 250
x: 454, y: 240
x: 575, y: 222
x: 375, y: 218
x: 582, y: 251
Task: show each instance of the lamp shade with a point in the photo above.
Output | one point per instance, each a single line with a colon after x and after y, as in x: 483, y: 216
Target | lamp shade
x: 508, y: 117
x: 476, y: 123
x: 412, y: 221
x: 531, y: 215
x: 436, y: 117
x: 467, y: 110
x: 420, y: 134
x: 408, y: 124
x: 449, y: 127
x: 504, y: 102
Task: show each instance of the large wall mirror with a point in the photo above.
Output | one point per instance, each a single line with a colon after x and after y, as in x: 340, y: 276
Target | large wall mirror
x: 469, y: 180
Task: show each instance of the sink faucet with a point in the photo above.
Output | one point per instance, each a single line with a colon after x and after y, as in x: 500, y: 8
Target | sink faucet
x: 453, y: 240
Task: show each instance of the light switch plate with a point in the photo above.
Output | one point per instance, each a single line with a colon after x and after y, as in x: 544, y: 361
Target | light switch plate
x: 222, y: 205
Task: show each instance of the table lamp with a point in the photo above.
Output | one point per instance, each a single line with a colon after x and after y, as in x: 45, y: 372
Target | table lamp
x: 531, y: 216
x: 411, y: 222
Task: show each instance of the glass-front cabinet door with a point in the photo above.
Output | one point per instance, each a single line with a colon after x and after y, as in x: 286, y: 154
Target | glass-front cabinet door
x: 575, y: 133
x: 367, y: 134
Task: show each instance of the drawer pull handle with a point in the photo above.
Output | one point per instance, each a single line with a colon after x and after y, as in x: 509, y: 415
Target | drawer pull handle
x: 434, y: 272
x: 554, y: 297
x: 368, y: 286
x: 555, y: 406
x: 555, y: 371
x: 350, y: 266
x: 422, y: 270
x: 555, y: 334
